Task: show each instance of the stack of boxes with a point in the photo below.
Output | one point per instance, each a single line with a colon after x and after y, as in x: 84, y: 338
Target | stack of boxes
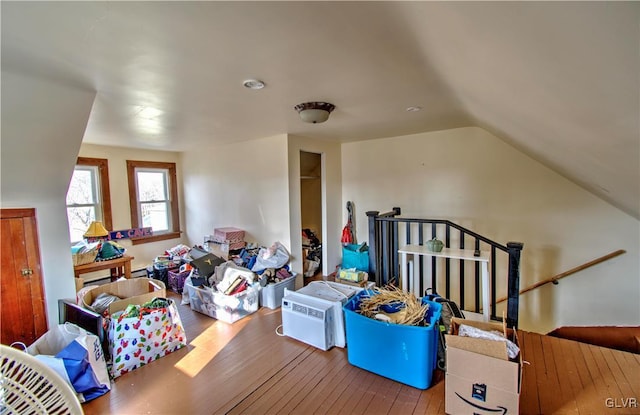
x: 224, y: 240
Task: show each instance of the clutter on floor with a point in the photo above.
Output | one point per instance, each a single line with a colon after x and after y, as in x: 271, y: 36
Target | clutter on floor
x: 394, y: 306
x: 108, y: 298
x: 142, y: 333
x: 311, y: 253
x: 231, y: 289
x: 313, y: 314
x: 76, y: 355
x: 229, y: 294
x: 386, y: 331
x: 225, y: 241
x: 405, y: 353
x: 484, y: 368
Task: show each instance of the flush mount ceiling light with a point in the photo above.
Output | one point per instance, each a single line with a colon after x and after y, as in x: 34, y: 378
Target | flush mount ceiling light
x: 413, y: 109
x: 314, y: 112
x: 253, y: 84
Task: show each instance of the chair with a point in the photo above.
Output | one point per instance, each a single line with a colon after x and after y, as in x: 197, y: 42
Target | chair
x: 28, y: 386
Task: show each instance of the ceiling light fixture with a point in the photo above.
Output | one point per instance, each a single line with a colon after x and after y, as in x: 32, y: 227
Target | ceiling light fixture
x: 314, y: 112
x: 413, y: 109
x: 253, y: 84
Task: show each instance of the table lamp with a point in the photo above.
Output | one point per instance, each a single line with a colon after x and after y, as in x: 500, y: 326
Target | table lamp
x: 96, y: 232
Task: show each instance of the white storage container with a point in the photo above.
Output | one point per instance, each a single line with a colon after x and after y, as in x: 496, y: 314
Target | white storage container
x: 271, y: 294
x: 227, y: 308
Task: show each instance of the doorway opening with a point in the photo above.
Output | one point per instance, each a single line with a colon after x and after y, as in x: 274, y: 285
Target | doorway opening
x: 311, y: 214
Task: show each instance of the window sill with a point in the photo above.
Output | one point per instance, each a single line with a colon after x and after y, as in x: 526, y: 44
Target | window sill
x: 155, y: 238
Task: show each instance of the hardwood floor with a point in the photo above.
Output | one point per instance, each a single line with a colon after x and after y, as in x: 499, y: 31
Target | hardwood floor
x: 246, y: 368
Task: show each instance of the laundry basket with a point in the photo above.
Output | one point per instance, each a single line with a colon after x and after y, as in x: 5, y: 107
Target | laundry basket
x: 31, y: 387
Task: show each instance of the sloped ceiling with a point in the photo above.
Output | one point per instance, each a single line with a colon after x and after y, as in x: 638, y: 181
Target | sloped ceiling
x: 560, y: 81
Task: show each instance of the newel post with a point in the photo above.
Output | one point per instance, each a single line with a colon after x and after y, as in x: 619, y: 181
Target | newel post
x: 371, y: 218
x: 514, y: 250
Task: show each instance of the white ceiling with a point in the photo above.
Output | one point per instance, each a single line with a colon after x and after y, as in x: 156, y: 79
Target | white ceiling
x: 560, y: 81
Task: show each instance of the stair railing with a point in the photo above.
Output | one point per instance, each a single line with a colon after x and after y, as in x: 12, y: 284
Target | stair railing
x: 385, y: 230
x: 554, y: 280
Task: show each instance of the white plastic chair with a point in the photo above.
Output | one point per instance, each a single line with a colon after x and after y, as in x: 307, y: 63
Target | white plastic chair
x: 28, y: 386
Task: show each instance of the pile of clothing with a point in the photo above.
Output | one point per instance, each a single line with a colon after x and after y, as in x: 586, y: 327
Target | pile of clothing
x: 313, y: 252
x: 271, y: 265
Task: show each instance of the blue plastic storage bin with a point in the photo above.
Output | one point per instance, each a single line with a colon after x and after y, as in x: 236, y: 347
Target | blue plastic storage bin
x: 407, y: 354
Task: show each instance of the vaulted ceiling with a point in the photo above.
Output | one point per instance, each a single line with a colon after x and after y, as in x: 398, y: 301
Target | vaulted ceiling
x: 558, y: 80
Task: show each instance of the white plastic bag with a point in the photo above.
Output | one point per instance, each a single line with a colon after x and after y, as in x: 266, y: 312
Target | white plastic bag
x: 276, y: 256
x: 185, y: 291
x: 78, y: 358
x: 469, y: 331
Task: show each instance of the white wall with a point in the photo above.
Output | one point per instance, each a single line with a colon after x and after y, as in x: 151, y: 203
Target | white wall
x: 244, y: 185
x: 118, y: 185
x: 40, y: 142
x: 473, y: 178
x: 331, y: 196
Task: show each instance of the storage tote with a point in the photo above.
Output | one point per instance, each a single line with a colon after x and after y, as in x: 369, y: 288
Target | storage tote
x: 271, y: 294
x: 407, y: 354
x: 176, y: 279
x: 227, y: 308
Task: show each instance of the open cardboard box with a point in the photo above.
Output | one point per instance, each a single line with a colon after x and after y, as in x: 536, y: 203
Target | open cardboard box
x: 132, y: 291
x: 480, y: 376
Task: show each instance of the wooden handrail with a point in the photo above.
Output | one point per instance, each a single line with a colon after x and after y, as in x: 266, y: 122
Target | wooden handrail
x: 554, y: 279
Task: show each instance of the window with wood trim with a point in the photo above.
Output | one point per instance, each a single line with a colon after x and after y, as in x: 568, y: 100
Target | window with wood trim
x: 88, y: 197
x: 153, y: 197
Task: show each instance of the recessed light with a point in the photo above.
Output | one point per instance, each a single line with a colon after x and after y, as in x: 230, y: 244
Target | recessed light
x: 413, y: 109
x: 253, y: 84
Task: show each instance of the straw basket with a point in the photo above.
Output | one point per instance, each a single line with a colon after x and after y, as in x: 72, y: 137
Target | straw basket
x: 85, y: 257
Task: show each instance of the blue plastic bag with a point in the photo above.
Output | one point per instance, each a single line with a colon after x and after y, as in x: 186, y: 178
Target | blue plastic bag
x: 355, y: 256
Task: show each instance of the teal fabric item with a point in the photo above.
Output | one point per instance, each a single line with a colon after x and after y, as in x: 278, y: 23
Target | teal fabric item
x: 109, y: 251
x: 355, y: 256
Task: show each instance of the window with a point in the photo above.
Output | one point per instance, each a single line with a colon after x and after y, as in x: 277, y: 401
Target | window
x: 88, y: 197
x: 153, y: 195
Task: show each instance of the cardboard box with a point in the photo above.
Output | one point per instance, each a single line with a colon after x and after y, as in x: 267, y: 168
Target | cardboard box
x: 228, y: 234
x: 132, y: 291
x: 480, y: 376
x: 353, y: 275
x: 227, y: 308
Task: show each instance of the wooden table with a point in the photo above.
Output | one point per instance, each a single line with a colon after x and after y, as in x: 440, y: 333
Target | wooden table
x: 410, y: 282
x: 118, y: 267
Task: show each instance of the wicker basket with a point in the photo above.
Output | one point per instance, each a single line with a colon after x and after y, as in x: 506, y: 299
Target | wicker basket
x: 84, y: 257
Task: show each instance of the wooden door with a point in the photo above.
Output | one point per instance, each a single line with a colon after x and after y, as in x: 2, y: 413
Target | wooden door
x: 22, y: 302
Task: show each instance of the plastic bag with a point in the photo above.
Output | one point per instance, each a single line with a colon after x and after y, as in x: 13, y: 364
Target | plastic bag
x: 276, y: 256
x: 469, y: 331
x: 137, y: 341
x: 77, y: 356
x: 185, y: 291
x: 355, y: 256
x: 102, y: 302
